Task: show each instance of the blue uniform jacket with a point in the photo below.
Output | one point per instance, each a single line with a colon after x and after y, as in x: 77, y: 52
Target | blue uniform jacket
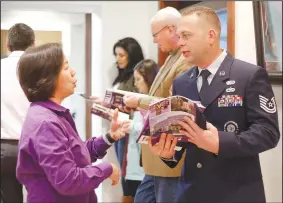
x: 240, y: 104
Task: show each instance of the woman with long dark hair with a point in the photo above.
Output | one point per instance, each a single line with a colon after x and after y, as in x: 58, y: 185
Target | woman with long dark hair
x: 128, y: 54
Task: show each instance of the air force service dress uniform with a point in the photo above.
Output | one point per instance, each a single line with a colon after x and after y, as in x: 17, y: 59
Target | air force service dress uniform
x: 240, y: 103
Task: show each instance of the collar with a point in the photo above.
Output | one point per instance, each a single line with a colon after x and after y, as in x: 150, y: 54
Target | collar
x: 16, y: 54
x: 174, y: 52
x: 52, y: 106
x: 214, y: 66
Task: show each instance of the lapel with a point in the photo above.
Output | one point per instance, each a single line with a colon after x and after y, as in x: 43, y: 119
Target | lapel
x: 217, y: 84
x: 192, y: 89
x: 164, y: 72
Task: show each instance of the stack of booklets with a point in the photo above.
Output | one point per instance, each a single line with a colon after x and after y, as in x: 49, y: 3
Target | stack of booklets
x: 162, y: 116
x: 112, y: 100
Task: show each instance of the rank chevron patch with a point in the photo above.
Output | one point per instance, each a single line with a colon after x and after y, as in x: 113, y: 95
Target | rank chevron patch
x: 268, y: 105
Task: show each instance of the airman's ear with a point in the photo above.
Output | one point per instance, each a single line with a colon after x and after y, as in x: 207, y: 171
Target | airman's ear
x: 8, y: 47
x: 212, y: 36
x: 33, y: 44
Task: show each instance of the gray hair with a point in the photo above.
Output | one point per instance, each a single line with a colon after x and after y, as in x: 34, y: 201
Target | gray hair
x: 166, y: 16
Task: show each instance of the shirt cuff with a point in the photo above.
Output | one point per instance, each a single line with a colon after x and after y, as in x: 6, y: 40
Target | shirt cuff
x: 106, y: 168
x: 144, y: 102
x: 171, y: 159
x: 106, y: 140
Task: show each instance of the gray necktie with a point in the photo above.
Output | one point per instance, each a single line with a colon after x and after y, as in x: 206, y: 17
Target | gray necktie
x: 204, y: 74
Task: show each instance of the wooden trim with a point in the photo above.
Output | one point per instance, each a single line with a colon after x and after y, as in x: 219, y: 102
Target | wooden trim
x: 161, y: 4
x: 258, y: 34
x: 165, y: 3
x: 231, y: 27
x: 275, y: 78
x: 88, y: 42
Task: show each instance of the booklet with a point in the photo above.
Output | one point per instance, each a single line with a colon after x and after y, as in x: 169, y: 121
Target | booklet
x: 145, y: 132
x: 163, y: 117
x: 106, y: 113
x: 101, y: 111
x: 113, y: 99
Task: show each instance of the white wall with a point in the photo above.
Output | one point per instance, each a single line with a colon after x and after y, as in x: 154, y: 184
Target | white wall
x: 77, y: 61
x: 271, y: 161
x: 45, y: 21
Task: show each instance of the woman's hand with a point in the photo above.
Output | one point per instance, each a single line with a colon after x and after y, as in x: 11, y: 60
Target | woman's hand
x: 115, y: 174
x: 118, y: 129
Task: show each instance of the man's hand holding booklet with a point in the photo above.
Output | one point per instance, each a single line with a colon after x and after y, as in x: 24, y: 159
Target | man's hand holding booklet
x: 164, y: 116
x: 105, y: 107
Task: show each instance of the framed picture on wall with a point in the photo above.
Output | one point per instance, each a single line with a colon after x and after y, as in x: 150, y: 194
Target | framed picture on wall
x: 268, y: 36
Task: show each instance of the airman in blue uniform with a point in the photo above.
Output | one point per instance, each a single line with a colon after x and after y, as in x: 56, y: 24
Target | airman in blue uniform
x: 222, y: 163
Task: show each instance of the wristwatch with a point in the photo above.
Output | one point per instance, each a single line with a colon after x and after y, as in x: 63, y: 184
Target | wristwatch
x: 109, y: 138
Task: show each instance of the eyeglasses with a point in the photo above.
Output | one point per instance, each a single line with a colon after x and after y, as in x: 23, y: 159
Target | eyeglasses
x: 155, y: 34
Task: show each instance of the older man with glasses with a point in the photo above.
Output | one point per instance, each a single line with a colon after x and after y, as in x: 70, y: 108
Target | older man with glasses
x: 160, y: 182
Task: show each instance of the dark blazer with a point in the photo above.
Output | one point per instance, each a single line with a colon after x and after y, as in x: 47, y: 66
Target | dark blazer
x: 245, y: 128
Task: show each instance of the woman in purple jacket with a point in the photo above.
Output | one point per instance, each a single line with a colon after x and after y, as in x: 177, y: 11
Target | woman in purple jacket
x: 54, y: 164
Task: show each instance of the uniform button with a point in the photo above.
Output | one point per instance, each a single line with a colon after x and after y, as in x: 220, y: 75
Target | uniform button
x: 199, y: 165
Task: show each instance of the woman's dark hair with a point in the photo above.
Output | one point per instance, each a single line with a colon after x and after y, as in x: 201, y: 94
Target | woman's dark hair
x: 135, y: 55
x: 148, y: 69
x: 38, y: 71
x: 20, y: 37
